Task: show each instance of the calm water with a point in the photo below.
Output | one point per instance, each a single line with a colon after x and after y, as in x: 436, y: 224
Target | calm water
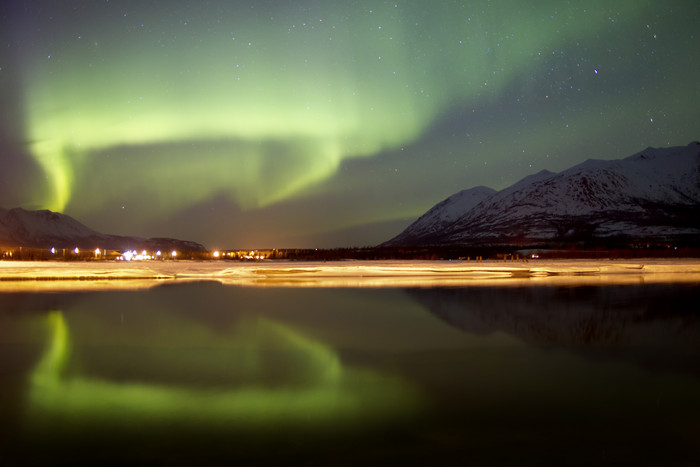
x: 210, y: 374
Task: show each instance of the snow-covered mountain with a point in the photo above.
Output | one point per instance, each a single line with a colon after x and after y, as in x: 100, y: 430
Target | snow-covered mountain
x: 651, y: 195
x: 46, y: 229
x: 448, y: 211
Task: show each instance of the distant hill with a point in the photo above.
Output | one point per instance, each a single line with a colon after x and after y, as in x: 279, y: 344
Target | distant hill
x: 46, y: 229
x: 653, y: 195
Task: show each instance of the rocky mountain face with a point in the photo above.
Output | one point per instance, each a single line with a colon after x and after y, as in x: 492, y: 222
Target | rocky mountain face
x: 46, y: 229
x: 653, y: 195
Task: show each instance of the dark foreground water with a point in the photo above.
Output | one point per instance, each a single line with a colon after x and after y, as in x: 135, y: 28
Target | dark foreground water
x: 208, y: 374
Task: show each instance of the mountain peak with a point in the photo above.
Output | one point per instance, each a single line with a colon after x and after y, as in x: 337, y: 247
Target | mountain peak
x: 652, y: 195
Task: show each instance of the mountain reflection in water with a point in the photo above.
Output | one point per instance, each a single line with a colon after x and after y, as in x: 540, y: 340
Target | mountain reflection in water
x: 202, y: 373
x: 658, y: 324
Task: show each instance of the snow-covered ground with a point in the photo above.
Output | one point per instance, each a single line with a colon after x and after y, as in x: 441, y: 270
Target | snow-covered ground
x: 58, y: 276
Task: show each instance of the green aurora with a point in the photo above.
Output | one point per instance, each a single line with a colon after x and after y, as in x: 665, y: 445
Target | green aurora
x: 301, y: 119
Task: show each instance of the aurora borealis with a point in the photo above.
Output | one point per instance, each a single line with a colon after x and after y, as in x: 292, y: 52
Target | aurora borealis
x: 323, y: 123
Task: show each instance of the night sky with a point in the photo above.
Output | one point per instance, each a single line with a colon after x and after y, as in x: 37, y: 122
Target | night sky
x: 324, y: 123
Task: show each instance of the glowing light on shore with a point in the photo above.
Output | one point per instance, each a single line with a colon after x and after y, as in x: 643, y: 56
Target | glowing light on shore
x: 134, y: 256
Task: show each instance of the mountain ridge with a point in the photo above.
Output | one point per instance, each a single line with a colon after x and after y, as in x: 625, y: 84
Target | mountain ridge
x: 651, y: 195
x: 48, y: 229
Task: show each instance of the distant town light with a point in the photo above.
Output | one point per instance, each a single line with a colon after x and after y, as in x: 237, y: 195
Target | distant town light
x: 127, y: 255
x: 158, y: 253
x: 97, y: 252
x: 173, y: 253
x: 216, y: 254
x: 76, y: 251
x: 53, y: 250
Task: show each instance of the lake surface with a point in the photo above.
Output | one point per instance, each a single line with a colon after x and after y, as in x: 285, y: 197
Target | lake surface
x: 205, y: 373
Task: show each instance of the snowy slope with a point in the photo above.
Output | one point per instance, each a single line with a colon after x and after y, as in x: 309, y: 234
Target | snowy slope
x: 45, y: 229
x: 654, y: 194
x: 445, y: 213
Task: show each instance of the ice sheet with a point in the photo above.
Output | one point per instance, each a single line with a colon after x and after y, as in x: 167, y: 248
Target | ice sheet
x: 24, y: 275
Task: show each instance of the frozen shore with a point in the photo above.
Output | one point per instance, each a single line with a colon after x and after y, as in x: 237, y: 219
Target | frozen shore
x: 23, y: 275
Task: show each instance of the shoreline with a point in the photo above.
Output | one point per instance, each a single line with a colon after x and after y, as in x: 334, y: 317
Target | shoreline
x: 104, y: 275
